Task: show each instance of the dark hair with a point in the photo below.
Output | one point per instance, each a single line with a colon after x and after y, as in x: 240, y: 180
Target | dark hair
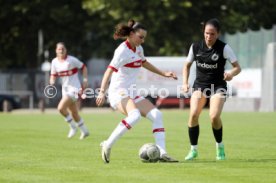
x: 62, y: 43
x: 123, y: 30
x: 214, y: 22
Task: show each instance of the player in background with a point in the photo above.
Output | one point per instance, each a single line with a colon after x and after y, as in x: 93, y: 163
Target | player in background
x: 123, y: 70
x: 66, y: 67
x: 210, y: 57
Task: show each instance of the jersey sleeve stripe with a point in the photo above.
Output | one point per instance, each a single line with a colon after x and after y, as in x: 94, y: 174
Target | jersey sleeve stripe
x: 113, y: 68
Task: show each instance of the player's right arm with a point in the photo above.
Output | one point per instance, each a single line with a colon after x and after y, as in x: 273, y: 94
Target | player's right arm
x: 53, y: 76
x: 186, y: 70
x: 52, y: 80
x: 117, y: 61
x: 101, y: 96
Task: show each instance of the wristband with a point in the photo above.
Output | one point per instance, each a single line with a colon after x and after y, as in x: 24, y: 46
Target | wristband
x: 84, y: 79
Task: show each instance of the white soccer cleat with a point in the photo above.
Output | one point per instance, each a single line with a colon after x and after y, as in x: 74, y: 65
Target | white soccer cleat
x: 84, y: 132
x: 72, y: 132
x: 167, y: 159
x: 84, y: 135
x: 105, y: 152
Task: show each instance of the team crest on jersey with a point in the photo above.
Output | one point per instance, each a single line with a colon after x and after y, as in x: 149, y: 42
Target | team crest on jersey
x: 215, y: 57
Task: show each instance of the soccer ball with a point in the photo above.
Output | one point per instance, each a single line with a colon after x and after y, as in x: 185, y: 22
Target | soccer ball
x: 149, y: 153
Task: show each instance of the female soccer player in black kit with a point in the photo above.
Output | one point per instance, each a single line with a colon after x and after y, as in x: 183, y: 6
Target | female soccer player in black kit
x: 210, y: 57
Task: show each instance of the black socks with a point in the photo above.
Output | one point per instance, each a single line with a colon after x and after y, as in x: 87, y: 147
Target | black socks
x: 218, y: 135
x: 193, y: 134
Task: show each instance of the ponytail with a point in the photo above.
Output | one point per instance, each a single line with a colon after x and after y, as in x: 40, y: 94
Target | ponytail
x: 123, y: 30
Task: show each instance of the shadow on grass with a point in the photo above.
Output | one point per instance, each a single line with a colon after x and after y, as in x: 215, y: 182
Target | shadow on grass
x: 253, y: 160
x: 231, y: 160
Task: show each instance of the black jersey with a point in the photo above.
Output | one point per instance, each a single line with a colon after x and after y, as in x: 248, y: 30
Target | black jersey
x: 210, y: 63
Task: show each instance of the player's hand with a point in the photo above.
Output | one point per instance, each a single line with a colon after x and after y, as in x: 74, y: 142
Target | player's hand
x: 185, y: 88
x: 228, y: 76
x: 52, y: 83
x: 170, y: 75
x: 100, y: 99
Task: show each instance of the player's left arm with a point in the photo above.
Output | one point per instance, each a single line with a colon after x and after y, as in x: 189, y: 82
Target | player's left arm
x: 155, y: 70
x: 236, y: 68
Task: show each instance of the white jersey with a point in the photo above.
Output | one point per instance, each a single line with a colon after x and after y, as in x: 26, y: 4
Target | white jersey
x: 126, y: 63
x: 68, y: 71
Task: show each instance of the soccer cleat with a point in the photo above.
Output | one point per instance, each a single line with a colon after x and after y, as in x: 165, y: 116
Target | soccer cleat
x: 192, y: 155
x: 220, y: 153
x: 72, y: 132
x: 165, y: 158
x: 105, y: 152
x: 84, y: 132
x: 84, y: 135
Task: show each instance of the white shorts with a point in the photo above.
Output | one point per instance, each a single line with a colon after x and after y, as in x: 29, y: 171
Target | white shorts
x: 71, y: 92
x: 115, y: 97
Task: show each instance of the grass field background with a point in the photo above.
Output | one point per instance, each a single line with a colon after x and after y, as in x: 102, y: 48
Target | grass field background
x: 34, y: 149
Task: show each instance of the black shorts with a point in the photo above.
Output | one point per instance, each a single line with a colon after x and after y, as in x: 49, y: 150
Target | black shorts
x: 210, y: 89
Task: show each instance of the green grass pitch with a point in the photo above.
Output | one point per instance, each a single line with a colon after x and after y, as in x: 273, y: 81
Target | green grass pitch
x: 34, y: 149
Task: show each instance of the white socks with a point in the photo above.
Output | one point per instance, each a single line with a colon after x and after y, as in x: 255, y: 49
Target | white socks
x: 74, y: 125
x: 126, y: 124
x: 70, y: 121
x: 194, y: 147
x: 157, y: 128
x: 219, y: 144
x: 82, y: 126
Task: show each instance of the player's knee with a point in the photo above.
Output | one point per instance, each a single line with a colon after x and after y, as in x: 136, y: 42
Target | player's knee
x: 61, y: 109
x: 194, y: 117
x: 214, y: 117
x: 75, y: 116
x: 134, y: 116
x: 155, y: 115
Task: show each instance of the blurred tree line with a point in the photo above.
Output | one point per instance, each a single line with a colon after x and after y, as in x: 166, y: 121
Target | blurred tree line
x: 87, y: 26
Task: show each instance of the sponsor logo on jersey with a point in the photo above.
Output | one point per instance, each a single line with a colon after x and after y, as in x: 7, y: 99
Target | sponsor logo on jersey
x: 67, y: 72
x: 207, y: 66
x: 137, y: 63
x: 134, y: 64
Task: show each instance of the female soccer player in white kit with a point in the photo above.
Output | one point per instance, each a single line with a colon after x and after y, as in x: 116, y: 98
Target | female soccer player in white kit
x: 123, y: 69
x: 66, y: 67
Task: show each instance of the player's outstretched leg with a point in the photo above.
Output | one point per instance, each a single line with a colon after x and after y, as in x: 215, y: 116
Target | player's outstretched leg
x: 106, y: 151
x: 125, y: 125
